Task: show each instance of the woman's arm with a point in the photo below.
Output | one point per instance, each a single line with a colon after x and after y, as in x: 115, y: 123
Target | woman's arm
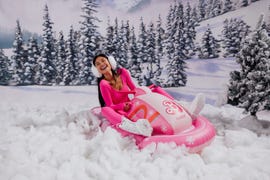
x: 129, y: 81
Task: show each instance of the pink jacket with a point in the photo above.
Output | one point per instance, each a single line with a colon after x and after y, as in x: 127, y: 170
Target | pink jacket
x: 116, y: 98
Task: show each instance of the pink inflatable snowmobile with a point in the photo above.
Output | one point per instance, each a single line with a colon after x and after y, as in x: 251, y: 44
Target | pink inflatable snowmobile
x: 171, y: 122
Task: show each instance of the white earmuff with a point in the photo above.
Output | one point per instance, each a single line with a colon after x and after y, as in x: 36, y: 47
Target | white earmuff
x: 112, y: 62
x: 95, y: 71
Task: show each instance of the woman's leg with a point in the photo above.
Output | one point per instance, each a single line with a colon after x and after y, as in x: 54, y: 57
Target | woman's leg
x: 111, y: 115
x: 140, y: 127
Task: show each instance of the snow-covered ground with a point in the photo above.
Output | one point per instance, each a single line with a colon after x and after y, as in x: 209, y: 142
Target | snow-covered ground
x: 44, y: 135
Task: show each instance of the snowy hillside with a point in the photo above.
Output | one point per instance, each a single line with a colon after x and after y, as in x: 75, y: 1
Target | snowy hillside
x: 249, y: 14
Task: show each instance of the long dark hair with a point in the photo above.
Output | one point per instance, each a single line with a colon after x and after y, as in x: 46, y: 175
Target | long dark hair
x: 99, y: 79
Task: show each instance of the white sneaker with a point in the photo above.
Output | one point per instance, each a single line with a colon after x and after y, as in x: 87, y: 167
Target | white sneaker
x: 144, y: 127
x: 140, y: 127
x: 197, y: 105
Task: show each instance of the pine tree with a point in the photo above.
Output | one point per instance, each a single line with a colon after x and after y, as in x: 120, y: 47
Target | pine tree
x: 209, y: 9
x: 135, y: 64
x: 201, y: 10
x: 160, y: 51
x: 195, y: 16
x: 90, y: 41
x: 268, y: 22
x: 150, y: 56
x: 70, y: 72
x: 115, y: 43
x: 47, y: 69
x: 4, y: 73
x: 18, y: 59
x: 74, y: 53
x: 250, y: 89
x: 122, y: 55
x: 31, y: 66
x: 176, y: 73
x: 176, y: 37
x: 210, y: 46
x: 142, y: 42
x: 189, y: 32
x: 170, y: 31
x: 217, y: 8
x: 228, y: 6
x: 108, y: 44
x: 60, y: 61
x: 234, y: 31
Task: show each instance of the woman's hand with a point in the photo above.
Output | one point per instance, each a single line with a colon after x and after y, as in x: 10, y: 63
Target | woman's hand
x: 127, y: 106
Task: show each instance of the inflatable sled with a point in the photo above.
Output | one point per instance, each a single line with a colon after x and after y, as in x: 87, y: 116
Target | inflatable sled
x: 171, y: 122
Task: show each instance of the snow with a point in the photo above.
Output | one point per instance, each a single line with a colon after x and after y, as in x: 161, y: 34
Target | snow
x: 48, y: 133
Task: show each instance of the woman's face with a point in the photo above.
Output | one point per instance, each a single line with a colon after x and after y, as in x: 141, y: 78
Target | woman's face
x: 102, y: 64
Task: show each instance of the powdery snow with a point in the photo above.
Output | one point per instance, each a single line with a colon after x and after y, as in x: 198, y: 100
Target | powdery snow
x: 47, y: 133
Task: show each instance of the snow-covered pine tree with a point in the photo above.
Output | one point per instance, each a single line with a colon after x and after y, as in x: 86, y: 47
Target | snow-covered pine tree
x: 115, y: 43
x: 228, y: 6
x: 60, y: 59
x: 90, y: 41
x: 201, y: 10
x: 176, y: 33
x: 160, y: 39
x: 216, y: 8
x: 108, y: 43
x: 122, y: 56
x: 142, y: 42
x: 208, y: 9
x: 195, y: 16
x: 127, y: 31
x: 134, y: 63
x: 150, y: 55
x: 160, y: 51
x: 234, y: 31
x: 18, y: 58
x: 268, y: 21
x: 4, y: 73
x: 47, y: 70
x: 210, y: 47
x: 189, y: 32
x: 31, y: 65
x: 169, y: 43
x: 75, y: 43
x: 70, y: 72
x: 176, y: 73
x: 250, y: 89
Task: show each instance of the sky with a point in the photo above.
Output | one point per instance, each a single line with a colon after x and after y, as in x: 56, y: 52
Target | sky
x: 65, y: 13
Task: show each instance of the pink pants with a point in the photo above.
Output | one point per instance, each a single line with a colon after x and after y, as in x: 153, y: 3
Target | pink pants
x: 115, y: 118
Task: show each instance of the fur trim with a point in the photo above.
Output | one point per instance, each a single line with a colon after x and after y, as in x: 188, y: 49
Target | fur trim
x: 112, y: 62
x: 95, y: 71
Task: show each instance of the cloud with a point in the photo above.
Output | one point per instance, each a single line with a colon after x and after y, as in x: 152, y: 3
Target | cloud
x: 63, y: 13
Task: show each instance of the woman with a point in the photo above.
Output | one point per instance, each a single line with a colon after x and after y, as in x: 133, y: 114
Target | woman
x: 114, y: 86
x: 113, y: 89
